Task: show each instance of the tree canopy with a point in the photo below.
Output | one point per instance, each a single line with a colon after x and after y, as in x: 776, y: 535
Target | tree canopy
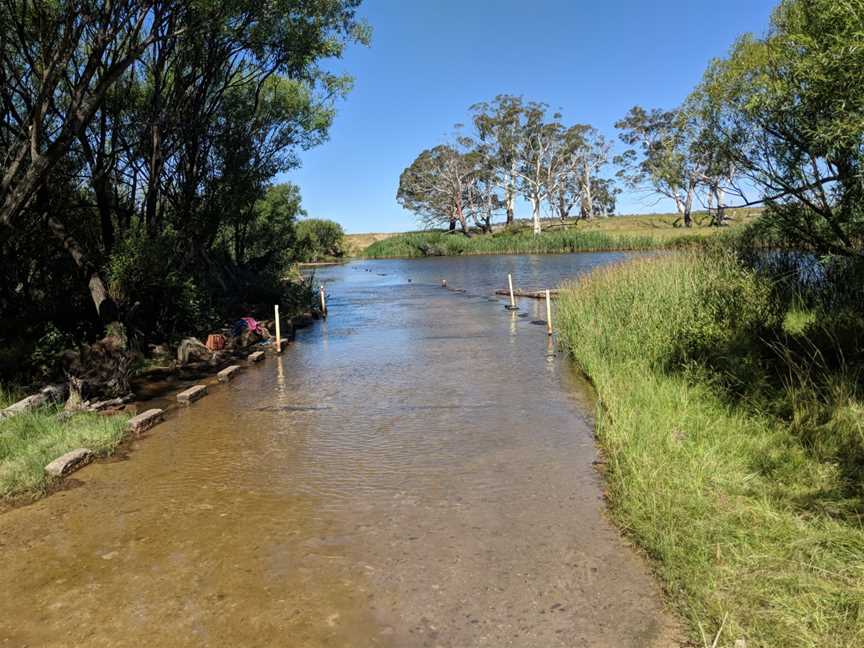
x: 516, y: 148
x: 156, y: 127
x: 788, y: 111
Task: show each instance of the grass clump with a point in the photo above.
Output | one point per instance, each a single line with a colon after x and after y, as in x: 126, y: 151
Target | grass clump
x: 732, y: 427
x: 29, y: 441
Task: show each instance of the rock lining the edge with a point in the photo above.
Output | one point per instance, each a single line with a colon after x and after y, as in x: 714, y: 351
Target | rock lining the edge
x: 192, y: 394
x: 69, y: 462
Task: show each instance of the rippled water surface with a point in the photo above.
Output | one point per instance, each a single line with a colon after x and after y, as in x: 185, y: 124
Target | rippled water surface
x: 415, y: 471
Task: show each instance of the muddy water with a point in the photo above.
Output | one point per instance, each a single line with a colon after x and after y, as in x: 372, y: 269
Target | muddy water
x: 416, y: 471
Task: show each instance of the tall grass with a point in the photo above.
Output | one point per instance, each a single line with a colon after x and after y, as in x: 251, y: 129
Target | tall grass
x: 724, y: 463
x: 28, y: 442
x: 9, y: 395
x: 521, y: 242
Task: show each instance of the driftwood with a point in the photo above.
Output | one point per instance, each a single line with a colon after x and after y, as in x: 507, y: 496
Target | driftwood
x: 530, y: 294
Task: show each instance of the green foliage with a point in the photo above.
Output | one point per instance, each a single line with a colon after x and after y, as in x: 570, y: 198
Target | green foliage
x: 319, y: 240
x: 150, y: 196
x: 732, y: 440
x: 161, y: 301
x: 787, y: 108
x: 44, y: 360
x: 28, y: 442
x: 266, y: 230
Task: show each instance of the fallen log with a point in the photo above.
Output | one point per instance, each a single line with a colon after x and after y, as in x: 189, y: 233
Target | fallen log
x: 530, y: 294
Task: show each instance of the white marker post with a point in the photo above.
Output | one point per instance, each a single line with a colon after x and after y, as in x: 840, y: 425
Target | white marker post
x: 548, y: 314
x: 512, y: 305
x: 278, y: 330
x: 323, y: 302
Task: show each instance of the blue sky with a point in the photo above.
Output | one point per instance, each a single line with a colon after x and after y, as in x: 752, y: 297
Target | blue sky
x: 431, y: 59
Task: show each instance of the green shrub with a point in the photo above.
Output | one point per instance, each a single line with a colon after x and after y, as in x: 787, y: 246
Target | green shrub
x: 159, y: 299
x: 319, y: 239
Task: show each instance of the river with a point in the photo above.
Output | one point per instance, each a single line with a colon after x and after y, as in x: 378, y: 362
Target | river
x: 414, y: 471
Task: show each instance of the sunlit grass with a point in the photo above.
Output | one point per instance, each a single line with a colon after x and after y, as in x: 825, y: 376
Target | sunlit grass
x: 28, y: 442
x: 748, y: 515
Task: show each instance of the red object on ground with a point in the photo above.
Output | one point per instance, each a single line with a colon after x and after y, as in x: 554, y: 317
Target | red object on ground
x: 215, y: 342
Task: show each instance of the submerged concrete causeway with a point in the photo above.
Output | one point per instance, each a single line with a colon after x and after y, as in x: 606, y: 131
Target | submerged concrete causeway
x: 413, y: 471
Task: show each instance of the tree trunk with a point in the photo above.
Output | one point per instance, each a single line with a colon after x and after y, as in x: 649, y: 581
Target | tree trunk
x: 720, y: 197
x: 688, y: 206
x: 509, y: 199
x: 154, y: 171
x: 106, y: 307
x: 461, y: 216
x: 102, y: 189
x: 588, y: 199
x: 535, y: 208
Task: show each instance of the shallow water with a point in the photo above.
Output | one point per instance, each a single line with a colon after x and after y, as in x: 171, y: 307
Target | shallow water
x: 415, y: 471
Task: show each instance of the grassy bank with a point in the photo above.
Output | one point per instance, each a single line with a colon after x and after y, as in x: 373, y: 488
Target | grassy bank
x: 602, y: 234
x: 30, y: 441
x: 734, y: 442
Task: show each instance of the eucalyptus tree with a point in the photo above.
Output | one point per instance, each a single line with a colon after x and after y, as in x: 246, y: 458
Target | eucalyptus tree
x: 605, y: 196
x: 484, y: 190
x: 594, y: 155
x: 148, y: 127
x: 582, y: 154
x: 661, y: 159
x: 790, y: 115
x: 565, y: 182
x: 540, y: 153
x: 499, y: 125
x: 438, y: 186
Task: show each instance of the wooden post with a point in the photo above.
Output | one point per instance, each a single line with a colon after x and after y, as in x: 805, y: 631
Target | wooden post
x: 548, y: 314
x: 512, y: 305
x: 278, y: 330
x: 323, y: 302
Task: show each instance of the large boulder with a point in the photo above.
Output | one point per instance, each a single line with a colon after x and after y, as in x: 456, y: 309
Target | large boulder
x: 192, y: 350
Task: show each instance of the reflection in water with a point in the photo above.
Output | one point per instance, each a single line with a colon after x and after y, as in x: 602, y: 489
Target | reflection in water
x: 400, y: 476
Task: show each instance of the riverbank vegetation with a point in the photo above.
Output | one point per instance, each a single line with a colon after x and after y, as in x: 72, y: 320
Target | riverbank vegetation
x: 597, y: 235
x: 731, y: 395
x: 31, y: 440
x: 139, y: 148
x: 732, y: 424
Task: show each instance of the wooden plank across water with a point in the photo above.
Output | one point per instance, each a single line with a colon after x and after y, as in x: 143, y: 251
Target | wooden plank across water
x: 530, y: 294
